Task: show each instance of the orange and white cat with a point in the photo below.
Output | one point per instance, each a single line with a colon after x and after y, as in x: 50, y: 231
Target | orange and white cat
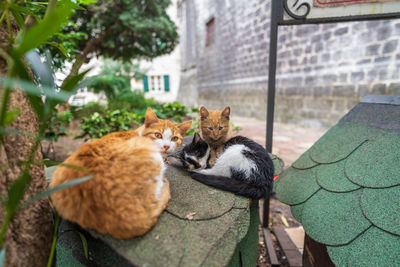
x: 128, y: 191
x: 215, y: 130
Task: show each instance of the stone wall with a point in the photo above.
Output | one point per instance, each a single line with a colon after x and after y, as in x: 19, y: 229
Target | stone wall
x: 322, y: 70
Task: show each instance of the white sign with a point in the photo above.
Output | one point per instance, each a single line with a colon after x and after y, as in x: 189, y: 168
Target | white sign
x: 339, y: 8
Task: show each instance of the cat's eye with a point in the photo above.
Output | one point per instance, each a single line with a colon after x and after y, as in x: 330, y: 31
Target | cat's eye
x: 210, y: 128
x: 158, y: 135
x: 174, y: 139
x: 220, y: 128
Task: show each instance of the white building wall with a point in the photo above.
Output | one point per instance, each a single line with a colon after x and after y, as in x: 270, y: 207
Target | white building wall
x: 164, y: 65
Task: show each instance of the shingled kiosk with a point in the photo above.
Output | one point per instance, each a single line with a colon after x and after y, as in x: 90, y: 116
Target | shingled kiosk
x: 345, y: 189
x: 202, y: 226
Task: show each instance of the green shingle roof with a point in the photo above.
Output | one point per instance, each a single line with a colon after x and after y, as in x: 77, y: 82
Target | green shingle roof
x: 345, y: 189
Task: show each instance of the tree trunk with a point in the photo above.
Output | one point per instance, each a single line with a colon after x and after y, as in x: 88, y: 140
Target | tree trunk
x: 28, y: 239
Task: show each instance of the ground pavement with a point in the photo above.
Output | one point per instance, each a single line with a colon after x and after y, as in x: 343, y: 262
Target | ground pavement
x: 289, y: 140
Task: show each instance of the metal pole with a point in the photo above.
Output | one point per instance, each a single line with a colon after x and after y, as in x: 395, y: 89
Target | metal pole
x: 276, y: 11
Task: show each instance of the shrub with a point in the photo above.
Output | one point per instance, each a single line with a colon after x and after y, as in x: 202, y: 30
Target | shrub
x: 87, y: 110
x: 58, y: 125
x: 97, y: 125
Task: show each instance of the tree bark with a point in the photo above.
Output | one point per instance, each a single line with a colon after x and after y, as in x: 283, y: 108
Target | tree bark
x: 28, y: 239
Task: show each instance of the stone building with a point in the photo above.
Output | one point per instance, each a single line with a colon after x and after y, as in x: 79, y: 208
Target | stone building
x: 322, y: 70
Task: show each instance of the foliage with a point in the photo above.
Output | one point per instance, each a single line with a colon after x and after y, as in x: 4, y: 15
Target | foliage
x: 117, y: 29
x: 86, y: 110
x: 97, y: 125
x: 58, y: 125
x: 175, y: 111
x: 43, y: 98
x: 195, y: 127
x: 235, y: 128
x: 114, y: 78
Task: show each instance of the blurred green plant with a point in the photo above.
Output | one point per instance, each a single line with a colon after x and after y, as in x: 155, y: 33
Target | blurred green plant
x: 175, y: 111
x: 114, y: 79
x: 37, y: 23
x: 98, y: 125
x: 57, y: 127
x: 235, y: 128
x: 117, y: 29
x: 83, y: 111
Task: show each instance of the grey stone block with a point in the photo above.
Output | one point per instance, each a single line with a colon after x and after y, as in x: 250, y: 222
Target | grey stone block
x: 383, y: 60
x: 390, y: 46
x: 383, y: 33
x: 378, y: 89
x: 393, y: 89
x: 357, y: 76
x: 313, y: 59
x: 373, y: 24
x: 341, y: 31
x: 372, y: 50
x: 343, y: 77
x: 329, y: 78
x: 343, y: 90
x: 363, y: 90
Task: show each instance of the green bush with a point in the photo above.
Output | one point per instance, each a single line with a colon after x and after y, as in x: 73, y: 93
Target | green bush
x: 175, y: 111
x: 86, y: 110
x: 58, y: 125
x: 132, y: 102
x: 98, y: 125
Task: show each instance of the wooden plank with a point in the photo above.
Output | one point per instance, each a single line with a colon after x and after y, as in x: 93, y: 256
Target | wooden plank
x: 270, y: 248
x: 293, y: 255
x: 267, y: 237
x: 315, y: 254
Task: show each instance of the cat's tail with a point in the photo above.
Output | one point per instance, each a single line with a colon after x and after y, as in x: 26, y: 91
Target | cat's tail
x: 232, y: 185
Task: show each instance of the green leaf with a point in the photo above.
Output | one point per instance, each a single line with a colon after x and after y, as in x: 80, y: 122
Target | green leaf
x: 59, y: 47
x: 2, y: 256
x: 57, y: 188
x: 73, y: 83
x: 84, y: 244
x: 32, y: 89
x: 11, y: 115
x: 21, y: 9
x: 57, y: 221
x: 50, y: 163
x: 44, y: 29
x: 18, y: 18
x: 40, y: 69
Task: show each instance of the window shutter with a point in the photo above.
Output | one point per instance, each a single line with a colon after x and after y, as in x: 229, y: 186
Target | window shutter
x: 166, y: 83
x: 146, y: 84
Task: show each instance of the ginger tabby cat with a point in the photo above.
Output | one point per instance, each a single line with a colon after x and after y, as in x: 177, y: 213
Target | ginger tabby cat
x: 128, y: 192
x: 215, y: 130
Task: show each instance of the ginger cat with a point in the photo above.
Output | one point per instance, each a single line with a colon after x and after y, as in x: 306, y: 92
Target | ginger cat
x: 128, y: 192
x: 215, y: 130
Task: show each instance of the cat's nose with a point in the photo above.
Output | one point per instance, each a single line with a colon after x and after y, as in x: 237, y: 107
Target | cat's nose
x: 166, y: 147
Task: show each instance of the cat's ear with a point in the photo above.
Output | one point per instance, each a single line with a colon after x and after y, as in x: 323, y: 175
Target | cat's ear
x: 184, y: 126
x: 150, y: 117
x: 226, y: 112
x: 196, y: 138
x: 203, y: 113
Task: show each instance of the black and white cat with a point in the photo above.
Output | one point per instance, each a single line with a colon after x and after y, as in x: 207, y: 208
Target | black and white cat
x: 243, y: 167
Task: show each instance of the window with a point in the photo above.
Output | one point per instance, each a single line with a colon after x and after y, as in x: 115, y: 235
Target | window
x: 210, y: 32
x: 156, y: 83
